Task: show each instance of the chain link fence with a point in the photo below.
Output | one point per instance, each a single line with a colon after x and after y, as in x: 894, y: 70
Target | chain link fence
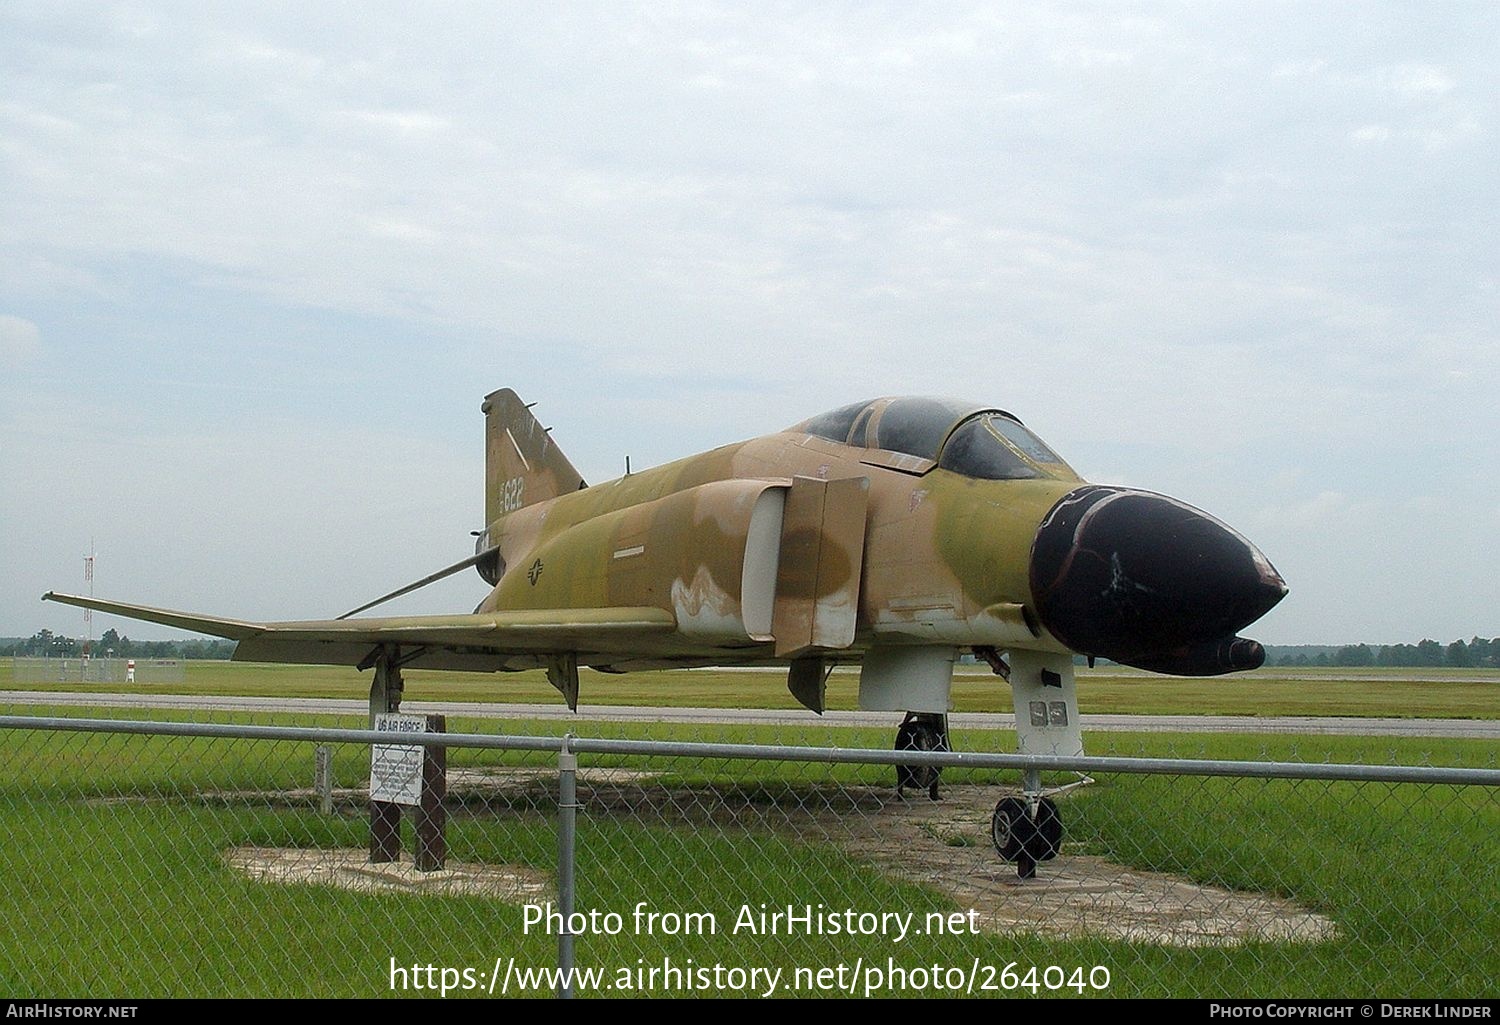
x: 201, y: 859
x: 25, y: 669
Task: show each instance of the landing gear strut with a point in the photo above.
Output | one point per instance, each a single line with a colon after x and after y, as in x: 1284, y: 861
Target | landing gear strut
x: 1027, y: 829
x: 921, y: 731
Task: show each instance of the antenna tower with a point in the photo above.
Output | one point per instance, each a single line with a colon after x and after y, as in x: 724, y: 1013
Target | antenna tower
x: 88, y: 614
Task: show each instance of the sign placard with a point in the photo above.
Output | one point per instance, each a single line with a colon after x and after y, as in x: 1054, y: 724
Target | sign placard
x: 396, y: 770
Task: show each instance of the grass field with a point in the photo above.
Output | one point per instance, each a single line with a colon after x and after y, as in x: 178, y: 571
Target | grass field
x: 115, y: 881
x: 1375, y: 692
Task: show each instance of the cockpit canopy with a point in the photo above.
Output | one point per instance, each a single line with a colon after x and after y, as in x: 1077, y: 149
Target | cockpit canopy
x: 976, y: 441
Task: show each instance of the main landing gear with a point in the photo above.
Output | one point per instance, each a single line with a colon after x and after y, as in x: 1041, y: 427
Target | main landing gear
x: 921, y: 731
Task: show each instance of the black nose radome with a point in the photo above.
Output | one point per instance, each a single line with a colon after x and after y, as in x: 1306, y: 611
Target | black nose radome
x: 1147, y: 580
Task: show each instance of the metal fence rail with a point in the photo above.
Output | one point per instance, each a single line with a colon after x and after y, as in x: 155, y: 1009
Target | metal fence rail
x: 782, y: 753
x: 173, y: 858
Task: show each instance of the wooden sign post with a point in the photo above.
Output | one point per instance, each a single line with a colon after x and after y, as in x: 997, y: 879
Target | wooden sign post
x: 405, y: 774
x: 415, y: 776
x: 431, y: 816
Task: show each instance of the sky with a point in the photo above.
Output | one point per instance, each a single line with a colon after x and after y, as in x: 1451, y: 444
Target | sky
x: 259, y: 263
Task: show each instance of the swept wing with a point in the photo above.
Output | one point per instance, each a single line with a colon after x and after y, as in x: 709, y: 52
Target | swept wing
x: 480, y: 641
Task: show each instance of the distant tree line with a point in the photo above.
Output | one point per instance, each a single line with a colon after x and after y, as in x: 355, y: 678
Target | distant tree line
x: 46, y: 644
x: 1476, y: 653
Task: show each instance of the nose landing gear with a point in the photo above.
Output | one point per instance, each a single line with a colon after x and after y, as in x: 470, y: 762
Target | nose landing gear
x: 1026, y: 831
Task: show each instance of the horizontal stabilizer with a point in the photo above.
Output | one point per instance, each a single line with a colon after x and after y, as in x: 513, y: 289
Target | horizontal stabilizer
x: 233, y: 629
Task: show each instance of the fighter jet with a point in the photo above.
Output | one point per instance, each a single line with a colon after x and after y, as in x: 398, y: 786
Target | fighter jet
x: 894, y: 534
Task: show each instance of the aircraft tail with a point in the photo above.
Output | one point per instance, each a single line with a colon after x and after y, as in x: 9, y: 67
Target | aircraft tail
x: 522, y: 465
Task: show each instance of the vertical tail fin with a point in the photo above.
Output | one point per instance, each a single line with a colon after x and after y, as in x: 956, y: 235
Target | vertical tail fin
x: 522, y: 465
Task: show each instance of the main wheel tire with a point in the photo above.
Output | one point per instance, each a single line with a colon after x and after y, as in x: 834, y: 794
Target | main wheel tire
x: 1011, y: 829
x: 1024, y: 840
x: 1047, y: 840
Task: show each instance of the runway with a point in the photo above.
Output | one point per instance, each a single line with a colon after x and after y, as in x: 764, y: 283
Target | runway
x: 1470, y: 729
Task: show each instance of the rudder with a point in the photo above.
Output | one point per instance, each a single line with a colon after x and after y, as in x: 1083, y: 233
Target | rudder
x: 522, y: 465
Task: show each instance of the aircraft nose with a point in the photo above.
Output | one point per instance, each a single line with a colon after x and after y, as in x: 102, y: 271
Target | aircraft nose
x: 1133, y: 576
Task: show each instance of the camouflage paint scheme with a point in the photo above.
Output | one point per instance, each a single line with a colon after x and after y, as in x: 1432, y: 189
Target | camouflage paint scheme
x: 816, y: 546
x: 934, y: 566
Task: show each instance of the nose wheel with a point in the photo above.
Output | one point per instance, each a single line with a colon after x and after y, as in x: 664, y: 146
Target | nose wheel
x: 921, y: 731
x: 1026, y: 831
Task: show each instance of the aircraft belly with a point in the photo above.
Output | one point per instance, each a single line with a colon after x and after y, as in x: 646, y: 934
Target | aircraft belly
x: 1002, y: 625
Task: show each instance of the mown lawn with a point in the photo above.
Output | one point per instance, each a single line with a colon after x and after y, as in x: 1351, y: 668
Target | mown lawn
x: 115, y: 882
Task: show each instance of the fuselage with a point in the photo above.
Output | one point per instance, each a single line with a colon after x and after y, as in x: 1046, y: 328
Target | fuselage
x: 944, y: 558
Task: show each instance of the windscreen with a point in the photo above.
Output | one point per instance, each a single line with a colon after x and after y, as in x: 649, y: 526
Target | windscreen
x: 995, y: 447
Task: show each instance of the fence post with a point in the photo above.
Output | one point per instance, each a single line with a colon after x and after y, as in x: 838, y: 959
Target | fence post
x: 567, y: 820
x: 431, y: 815
x: 323, y: 777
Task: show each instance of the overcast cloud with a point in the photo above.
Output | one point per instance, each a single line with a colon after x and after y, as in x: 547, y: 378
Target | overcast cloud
x: 259, y: 263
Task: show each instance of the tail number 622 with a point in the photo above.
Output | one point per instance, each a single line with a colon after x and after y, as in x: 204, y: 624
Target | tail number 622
x: 510, y: 494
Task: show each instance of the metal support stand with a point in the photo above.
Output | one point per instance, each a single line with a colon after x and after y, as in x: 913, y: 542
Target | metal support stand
x: 385, y: 817
x: 1031, y: 786
x: 567, y: 821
